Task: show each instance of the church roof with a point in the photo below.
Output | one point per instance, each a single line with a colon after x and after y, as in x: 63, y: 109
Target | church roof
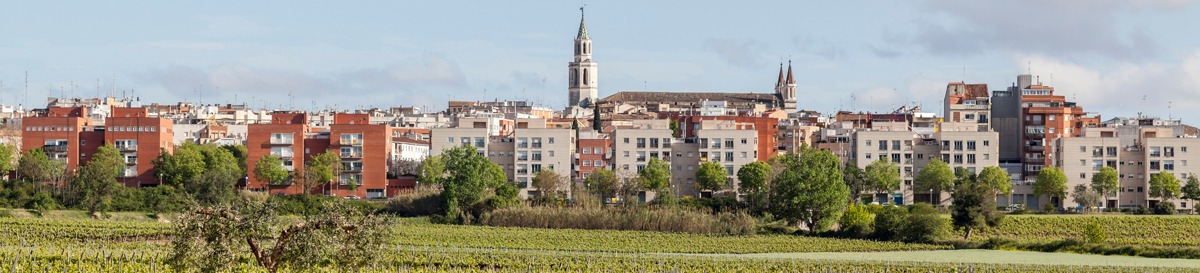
x: 780, y: 82
x: 582, y: 28
x: 668, y: 97
x: 790, y: 80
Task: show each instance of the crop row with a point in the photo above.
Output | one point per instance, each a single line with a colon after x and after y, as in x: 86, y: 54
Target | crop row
x: 1139, y: 230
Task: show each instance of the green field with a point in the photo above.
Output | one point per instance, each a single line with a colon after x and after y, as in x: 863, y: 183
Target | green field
x: 1176, y: 230
x: 72, y: 244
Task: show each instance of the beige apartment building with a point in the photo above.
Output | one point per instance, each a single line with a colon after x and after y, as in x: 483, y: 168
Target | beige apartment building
x: 1137, y: 153
x: 732, y: 148
x: 969, y: 148
x: 521, y: 154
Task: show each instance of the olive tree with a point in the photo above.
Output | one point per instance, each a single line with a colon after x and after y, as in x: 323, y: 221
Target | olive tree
x: 213, y: 239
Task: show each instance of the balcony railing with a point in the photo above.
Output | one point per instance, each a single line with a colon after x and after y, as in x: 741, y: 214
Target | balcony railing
x: 55, y: 148
x: 522, y: 145
x: 1035, y: 148
x: 281, y: 141
x: 127, y: 147
x: 1035, y: 135
x: 130, y: 161
x: 282, y: 156
x: 523, y: 158
x: 537, y: 145
x: 537, y: 157
x: 357, y: 142
x: 526, y: 171
x: 641, y: 159
x: 289, y: 168
x: 351, y: 155
x: 353, y: 169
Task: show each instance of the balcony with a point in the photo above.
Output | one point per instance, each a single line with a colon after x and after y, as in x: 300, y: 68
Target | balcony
x: 282, y: 155
x: 352, y: 169
x: 1035, y: 148
x: 130, y: 160
x: 289, y: 168
x: 55, y: 148
x: 357, y: 142
x: 1035, y: 135
x: 281, y: 141
x: 537, y: 145
x: 523, y: 158
x: 127, y: 147
x: 351, y: 155
x: 537, y: 157
x: 641, y: 159
x: 523, y: 171
x: 522, y: 145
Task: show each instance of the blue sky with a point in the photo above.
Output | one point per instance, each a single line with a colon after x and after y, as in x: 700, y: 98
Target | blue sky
x: 1104, y: 54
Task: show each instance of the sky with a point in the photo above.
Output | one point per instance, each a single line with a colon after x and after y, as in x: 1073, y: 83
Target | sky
x: 1115, y: 58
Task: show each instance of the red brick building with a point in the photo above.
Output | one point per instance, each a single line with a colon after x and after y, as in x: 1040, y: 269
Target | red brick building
x: 364, y: 150
x: 64, y: 134
x: 592, y: 154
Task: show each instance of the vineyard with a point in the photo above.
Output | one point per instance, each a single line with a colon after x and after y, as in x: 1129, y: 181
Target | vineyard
x: 35, y: 245
x: 1139, y: 230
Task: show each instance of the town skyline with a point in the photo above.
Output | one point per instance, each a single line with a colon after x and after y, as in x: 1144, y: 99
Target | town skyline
x: 1106, y: 58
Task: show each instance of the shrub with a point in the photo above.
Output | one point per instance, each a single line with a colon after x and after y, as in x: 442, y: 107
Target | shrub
x: 856, y: 221
x: 253, y: 197
x: 622, y: 218
x: 889, y: 223
x: 424, y: 203
x: 924, y: 224
x: 1164, y: 208
x: 1093, y: 234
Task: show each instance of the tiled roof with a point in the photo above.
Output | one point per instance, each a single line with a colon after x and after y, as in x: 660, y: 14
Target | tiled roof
x: 667, y: 97
x: 409, y: 140
x: 979, y: 90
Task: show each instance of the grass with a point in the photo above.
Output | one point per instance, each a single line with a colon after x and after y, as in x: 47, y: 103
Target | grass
x: 988, y: 256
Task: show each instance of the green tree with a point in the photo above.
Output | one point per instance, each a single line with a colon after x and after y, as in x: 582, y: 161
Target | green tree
x: 8, y: 158
x: 656, y: 175
x: 34, y: 165
x: 1164, y: 185
x: 176, y: 169
x: 239, y: 152
x: 96, y: 182
x: 270, y: 169
x: 1051, y: 182
x: 711, y: 176
x: 319, y: 170
x: 603, y: 182
x: 810, y: 191
x: 432, y: 171
x: 1105, y: 182
x: 213, y: 239
x: 856, y: 180
x: 216, y: 183
x: 1086, y: 197
x: 596, y: 124
x: 469, y: 177
x: 752, y: 180
x: 974, y: 206
x: 923, y: 223
x: 675, y: 130
x: 1191, y: 191
x: 996, y: 178
x: 963, y: 175
x: 883, y: 176
x: 935, y: 177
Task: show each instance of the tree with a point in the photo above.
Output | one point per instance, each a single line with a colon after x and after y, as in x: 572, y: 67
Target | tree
x: 34, y: 165
x: 1164, y: 185
x: 215, y: 184
x: 96, y: 182
x: 469, y: 176
x: 549, y: 182
x: 656, y: 175
x: 432, y: 171
x: 8, y: 158
x: 996, y: 178
x: 239, y: 152
x: 711, y: 176
x: 810, y: 191
x: 974, y: 206
x: 270, y: 169
x: 1086, y: 197
x: 1105, y: 182
x: 603, y: 182
x: 319, y: 170
x: 596, y: 124
x: 675, y: 130
x: 752, y: 180
x: 176, y: 169
x: 1051, y: 182
x: 855, y: 179
x: 1191, y: 191
x: 213, y: 239
x: 400, y: 167
x: 883, y: 176
x: 935, y: 177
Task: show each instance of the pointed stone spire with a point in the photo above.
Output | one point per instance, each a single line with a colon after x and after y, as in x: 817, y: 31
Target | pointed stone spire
x: 780, y: 82
x: 790, y: 80
x: 582, y: 27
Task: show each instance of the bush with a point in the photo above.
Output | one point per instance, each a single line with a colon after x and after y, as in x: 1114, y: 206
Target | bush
x: 889, y: 223
x: 856, y: 221
x: 1093, y: 234
x: 1049, y: 209
x: 1164, y: 208
x: 424, y: 203
x: 715, y: 204
x: 923, y: 224
x: 253, y: 197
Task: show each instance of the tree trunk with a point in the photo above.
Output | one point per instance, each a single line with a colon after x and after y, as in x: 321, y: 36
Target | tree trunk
x: 968, y: 236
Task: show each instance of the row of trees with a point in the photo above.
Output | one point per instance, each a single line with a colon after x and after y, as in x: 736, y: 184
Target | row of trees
x: 319, y: 170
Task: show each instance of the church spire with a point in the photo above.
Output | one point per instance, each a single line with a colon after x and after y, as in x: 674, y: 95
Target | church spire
x: 780, y: 82
x: 789, y: 78
x: 582, y: 27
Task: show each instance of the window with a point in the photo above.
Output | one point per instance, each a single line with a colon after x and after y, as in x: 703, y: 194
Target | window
x: 690, y: 167
x: 597, y: 163
x: 689, y: 154
x: 598, y: 150
x: 1082, y: 162
x: 958, y: 158
x: 587, y: 151
x: 351, y: 139
x: 550, y: 140
x: 641, y: 156
x: 522, y: 156
x: 626, y: 140
x: 986, y: 156
x: 479, y: 142
x: 971, y: 159
x: 970, y: 145
x: 587, y: 163
x: 641, y: 142
x: 1082, y: 175
x: 985, y: 143
x: 729, y: 169
x: 728, y: 143
x: 551, y: 153
x: 490, y: 153
x: 743, y: 154
x: 1168, y: 165
x: 868, y: 143
x: 958, y: 145
x: 895, y: 145
x: 1082, y: 149
x: 868, y: 156
x: 883, y: 145
x: 451, y: 139
x: 1155, y: 151
x: 743, y: 141
x: 537, y: 155
x: 1169, y: 151
x: 728, y: 157
x: 626, y: 153
x: 1051, y: 117
x: 1110, y: 151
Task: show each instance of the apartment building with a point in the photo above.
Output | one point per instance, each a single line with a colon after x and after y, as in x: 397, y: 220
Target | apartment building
x: 593, y: 153
x: 731, y: 148
x: 766, y: 129
x: 522, y: 154
x: 1030, y: 116
x: 968, y: 103
x: 634, y: 146
x: 1138, y: 153
x: 363, y: 149
x: 406, y: 148
x: 65, y: 134
x: 967, y: 148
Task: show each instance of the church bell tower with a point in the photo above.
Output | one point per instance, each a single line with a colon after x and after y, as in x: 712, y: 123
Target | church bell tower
x: 582, y: 73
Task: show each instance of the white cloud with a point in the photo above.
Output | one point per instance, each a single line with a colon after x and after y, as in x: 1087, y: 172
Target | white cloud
x: 1126, y: 89
x: 742, y: 53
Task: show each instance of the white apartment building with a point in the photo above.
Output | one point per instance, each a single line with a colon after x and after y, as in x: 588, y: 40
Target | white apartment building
x: 1137, y: 153
x: 911, y: 151
x: 522, y: 154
